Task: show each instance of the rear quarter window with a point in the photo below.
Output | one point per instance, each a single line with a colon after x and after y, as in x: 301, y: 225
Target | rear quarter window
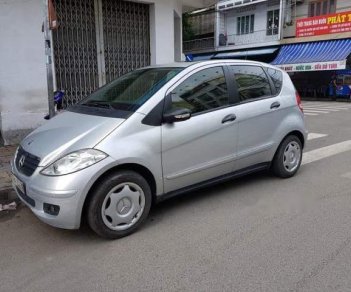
x: 277, y: 78
x: 252, y: 82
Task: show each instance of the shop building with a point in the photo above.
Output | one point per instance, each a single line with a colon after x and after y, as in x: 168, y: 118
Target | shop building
x: 253, y: 27
x: 96, y: 41
x: 244, y: 29
x: 310, y: 39
x: 316, y: 48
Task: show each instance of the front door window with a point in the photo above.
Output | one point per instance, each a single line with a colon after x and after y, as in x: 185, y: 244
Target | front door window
x: 203, y: 91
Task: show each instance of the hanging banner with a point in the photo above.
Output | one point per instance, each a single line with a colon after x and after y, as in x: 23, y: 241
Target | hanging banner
x: 318, y: 66
x: 325, y: 24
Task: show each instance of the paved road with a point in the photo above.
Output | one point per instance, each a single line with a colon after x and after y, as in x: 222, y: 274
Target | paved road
x: 259, y: 233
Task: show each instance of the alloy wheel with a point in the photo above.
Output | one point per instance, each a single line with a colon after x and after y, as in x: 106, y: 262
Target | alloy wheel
x: 123, y: 206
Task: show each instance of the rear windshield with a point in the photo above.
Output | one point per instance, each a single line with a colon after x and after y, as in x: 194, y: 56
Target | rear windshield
x: 128, y: 92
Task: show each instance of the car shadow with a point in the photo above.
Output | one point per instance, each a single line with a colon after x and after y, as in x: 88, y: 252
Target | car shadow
x: 222, y: 190
x: 160, y: 210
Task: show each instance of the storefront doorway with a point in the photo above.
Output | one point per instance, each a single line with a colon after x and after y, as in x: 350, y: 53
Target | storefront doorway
x: 319, y: 84
x: 312, y: 84
x: 97, y: 41
x: 318, y: 69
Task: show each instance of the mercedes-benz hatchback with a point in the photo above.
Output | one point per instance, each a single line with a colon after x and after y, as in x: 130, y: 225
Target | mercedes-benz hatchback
x: 154, y: 133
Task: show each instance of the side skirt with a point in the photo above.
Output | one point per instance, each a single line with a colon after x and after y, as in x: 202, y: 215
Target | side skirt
x: 214, y: 181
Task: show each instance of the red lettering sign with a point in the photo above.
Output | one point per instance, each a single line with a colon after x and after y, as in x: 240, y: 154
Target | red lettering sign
x: 326, y: 24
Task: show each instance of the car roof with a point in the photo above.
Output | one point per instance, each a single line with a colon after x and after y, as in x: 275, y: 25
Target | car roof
x: 208, y: 62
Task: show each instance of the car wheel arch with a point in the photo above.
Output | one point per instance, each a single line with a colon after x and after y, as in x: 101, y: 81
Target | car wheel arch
x: 296, y: 133
x: 140, y: 169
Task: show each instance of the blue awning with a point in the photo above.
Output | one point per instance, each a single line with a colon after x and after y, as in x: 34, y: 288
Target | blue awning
x: 200, y: 57
x: 203, y: 57
x: 315, y: 56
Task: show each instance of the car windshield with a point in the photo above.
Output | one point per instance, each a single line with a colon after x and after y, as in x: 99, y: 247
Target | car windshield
x: 130, y: 91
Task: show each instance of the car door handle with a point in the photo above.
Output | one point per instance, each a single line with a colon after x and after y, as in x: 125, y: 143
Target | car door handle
x: 275, y: 105
x: 229, y: 118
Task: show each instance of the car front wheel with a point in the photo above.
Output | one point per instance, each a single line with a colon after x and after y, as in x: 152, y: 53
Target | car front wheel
x: 119, y: 205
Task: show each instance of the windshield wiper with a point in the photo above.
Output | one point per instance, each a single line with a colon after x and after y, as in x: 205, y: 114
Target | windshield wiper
x: 98, y: 103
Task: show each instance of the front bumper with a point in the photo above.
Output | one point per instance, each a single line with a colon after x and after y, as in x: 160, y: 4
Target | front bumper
x: 67, y: 191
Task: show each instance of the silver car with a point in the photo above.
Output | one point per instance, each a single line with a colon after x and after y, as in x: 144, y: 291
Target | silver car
x: 154, y: 133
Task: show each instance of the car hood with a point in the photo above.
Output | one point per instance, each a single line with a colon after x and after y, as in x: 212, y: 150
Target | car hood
x: 68, y: 132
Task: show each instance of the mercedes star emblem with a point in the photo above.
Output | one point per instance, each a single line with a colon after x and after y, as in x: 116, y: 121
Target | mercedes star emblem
x: 21, y: 161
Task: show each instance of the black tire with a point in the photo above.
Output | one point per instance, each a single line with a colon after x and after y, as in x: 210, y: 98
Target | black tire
x: 94, y: 212
x: 279, y: 167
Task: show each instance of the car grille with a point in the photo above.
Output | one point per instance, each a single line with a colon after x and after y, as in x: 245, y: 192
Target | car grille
x: 26, y: 163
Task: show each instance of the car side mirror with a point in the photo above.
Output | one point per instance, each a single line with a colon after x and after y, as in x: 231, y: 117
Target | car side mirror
x: 176, y: 115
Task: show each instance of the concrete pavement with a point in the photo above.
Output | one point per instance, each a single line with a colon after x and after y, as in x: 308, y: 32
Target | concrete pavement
x: 6, y: 154
x: 259, y: 233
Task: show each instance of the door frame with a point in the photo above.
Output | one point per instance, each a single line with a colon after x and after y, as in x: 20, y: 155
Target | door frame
x: 232, y: 101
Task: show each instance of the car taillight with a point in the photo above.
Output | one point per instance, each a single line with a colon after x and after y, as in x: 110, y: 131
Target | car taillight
x: 298, y: 100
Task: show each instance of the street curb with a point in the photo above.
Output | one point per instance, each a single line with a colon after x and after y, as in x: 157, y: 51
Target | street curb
x: 7, y: 195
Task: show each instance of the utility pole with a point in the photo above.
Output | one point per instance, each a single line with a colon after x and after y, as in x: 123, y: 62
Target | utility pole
x: 216, y: 28
x: 281, y: 19
x: 48, y: 53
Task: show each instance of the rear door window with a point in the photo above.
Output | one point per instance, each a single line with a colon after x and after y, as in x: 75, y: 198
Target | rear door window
x: 277, y: 78
x: 251, y: 82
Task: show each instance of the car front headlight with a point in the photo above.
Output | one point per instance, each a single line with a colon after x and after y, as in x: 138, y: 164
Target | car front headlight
x: 74, y: 161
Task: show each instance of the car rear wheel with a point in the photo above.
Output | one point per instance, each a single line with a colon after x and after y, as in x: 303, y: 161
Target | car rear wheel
x: 288, y: 157
x: 120, y: 204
